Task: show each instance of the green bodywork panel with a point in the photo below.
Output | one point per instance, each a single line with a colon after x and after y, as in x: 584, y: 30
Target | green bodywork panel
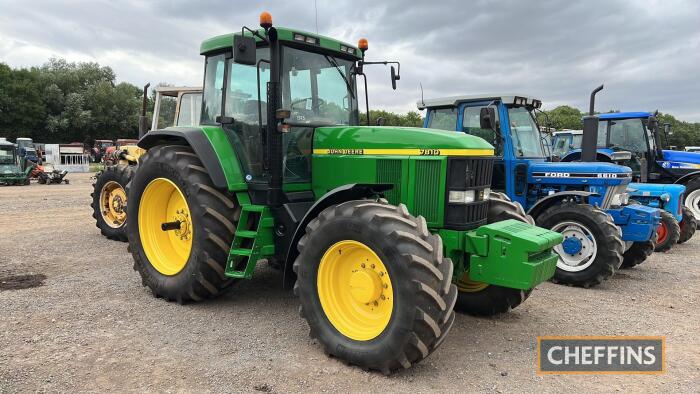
x: 512, y: 254
x: 414, y: 160
x: 390, y: 137
x: 225, y: 41
x: 227, y: 157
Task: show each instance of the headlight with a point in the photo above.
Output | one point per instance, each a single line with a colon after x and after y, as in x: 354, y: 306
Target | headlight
x: 665, y: 197
x: 485, y: 194
x: 461, y: 196
x: 620, y: 199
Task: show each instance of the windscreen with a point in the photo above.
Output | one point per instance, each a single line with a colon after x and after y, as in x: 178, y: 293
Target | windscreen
x: 524, y: 132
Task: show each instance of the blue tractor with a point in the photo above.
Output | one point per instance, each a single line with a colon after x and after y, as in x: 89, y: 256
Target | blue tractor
x: 677, y: 221
x: 634, y: 139
x: 586, y: 202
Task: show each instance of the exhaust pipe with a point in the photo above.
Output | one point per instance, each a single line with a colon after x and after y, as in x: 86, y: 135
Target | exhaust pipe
x: 143, y: 121
x: 589, y: 142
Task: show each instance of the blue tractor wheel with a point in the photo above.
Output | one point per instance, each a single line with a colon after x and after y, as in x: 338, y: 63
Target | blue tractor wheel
x: 592, y: 248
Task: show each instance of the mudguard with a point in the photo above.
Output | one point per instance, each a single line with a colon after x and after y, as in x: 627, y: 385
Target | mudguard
x: 211, y: 146
x: 550, y: 200
x: 687, y: 177
x: 340, y: 194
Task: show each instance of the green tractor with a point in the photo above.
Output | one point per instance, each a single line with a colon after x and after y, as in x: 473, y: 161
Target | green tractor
x: 13, y: 169
x: 381, y: 231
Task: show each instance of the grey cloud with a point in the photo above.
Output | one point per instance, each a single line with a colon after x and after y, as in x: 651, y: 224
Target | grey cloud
x: 647, y: 53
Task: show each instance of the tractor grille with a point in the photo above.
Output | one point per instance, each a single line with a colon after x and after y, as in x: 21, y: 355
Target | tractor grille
x: 389, y: 171
x: 464, y: 173
x: 427, y: 189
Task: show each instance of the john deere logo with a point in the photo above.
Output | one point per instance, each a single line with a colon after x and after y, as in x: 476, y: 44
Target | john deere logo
x: 592, y: 355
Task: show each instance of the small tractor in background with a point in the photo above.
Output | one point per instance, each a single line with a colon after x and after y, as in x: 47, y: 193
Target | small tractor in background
x: 634, y: 139
x: 13, y: 170
x: 99, y: 149
x: 173, y: 106
x: 586, y: 202
x: 370, y: 225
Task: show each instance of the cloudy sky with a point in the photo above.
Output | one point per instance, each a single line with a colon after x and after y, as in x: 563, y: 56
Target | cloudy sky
x: 646, y: 52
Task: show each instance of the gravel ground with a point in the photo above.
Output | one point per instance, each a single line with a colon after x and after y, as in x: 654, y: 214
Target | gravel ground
x: 91, y: 326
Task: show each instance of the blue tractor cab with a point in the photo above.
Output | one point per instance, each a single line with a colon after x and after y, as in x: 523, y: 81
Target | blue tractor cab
x: 586, y: 202
x: 633, y: 139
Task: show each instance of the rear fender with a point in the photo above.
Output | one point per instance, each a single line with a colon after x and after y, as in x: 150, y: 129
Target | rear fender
x: 687, y: 178
x: 211, y: 145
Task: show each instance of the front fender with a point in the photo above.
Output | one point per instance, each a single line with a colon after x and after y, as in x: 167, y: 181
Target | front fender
x: 541, y: 205
x: 340, y: 194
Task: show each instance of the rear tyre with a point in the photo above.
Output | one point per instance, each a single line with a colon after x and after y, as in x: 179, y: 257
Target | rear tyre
x: 592, y: 248
x: 638, y: 252
x: 688, y: 226
x: 669, y: 232
x: 109, y: 201
x: 482, y: 299
x: 185, y: 264
x: 374, y: 285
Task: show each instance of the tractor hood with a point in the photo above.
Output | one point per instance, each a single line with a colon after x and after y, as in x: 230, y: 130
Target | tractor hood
x: 679, y: 159
x: 398, y: 140
x: 578, y: 173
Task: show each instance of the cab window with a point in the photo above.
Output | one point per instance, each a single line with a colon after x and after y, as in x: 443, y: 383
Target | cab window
x: 472, y: 125
x: 443, y: 119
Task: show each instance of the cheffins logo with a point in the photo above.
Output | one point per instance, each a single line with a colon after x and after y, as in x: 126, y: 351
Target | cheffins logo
x: 601, y: 355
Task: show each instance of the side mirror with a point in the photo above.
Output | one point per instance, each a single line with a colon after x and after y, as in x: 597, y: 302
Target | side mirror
x: 487, y: 118
x: 381, y: 121
x: 394, y: 77
x: 244, y: 50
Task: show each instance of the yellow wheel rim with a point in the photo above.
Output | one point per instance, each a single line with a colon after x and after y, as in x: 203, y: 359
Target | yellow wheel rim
x: 113, y: 204
x: 466, y: 285
x: 163, y: 202
x: 355, y: 290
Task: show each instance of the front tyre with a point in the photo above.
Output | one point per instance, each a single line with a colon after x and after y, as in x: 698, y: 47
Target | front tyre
x: 185, y: 259
x: 592, y: 249
x: 482, y: 299
x: 373, y: 285
x: 669, y: 232
x: 688, y: 226
x: 638, y: 252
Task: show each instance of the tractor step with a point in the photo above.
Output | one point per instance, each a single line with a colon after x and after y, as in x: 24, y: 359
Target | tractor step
x: 252, y: 241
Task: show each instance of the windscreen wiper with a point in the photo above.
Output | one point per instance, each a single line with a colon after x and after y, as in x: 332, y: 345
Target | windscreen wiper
x: 337, y: 68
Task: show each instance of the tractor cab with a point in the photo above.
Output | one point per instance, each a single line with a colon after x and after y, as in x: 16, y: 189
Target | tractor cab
x: 11, y: 171
x: 522, y: 169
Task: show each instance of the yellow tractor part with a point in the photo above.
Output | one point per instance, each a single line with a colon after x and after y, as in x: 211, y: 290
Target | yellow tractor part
x: 113, y: 204
x: 165, y: 226
x: 466, y: 285
x: 355, y: 290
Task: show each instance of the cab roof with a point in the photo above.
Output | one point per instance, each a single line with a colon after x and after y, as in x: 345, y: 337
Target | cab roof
x: 625, y: 115
x: 225, y: 41
x: 453, y: 101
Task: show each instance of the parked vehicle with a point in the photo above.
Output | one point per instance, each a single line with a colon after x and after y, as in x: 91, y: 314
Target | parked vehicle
x: 109, y: 197
x: 281, y: 171
x: 12, y: 172
x: 677, y: 222
x: 586, y: 202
